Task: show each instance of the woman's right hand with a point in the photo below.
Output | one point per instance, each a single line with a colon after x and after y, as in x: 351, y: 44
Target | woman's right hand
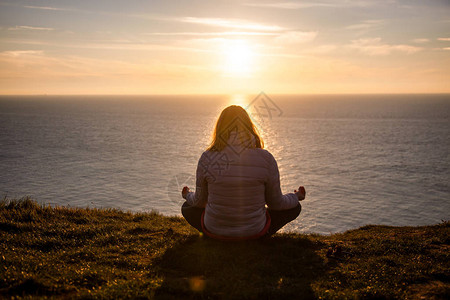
x: 301, y: 193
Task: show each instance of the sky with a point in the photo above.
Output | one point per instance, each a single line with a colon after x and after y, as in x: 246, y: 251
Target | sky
x: 224, y: 47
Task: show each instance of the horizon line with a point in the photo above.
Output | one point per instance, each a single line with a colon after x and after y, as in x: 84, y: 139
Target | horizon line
x: 222, y: 94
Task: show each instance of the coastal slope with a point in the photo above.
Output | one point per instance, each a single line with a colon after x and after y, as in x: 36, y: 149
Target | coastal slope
x: 63, y: 252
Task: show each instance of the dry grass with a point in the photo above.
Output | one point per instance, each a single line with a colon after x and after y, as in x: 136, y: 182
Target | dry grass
x: 101, y: 253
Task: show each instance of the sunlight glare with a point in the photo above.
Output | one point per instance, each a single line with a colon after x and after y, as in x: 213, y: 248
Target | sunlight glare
x: 238, y: 60
x: 239, y: 99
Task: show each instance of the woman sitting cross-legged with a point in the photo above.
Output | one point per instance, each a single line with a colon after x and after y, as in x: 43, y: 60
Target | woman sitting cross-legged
x: 238, y: 194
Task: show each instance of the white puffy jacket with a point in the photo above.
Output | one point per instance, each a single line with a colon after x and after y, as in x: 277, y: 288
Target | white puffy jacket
x: 234, y: 185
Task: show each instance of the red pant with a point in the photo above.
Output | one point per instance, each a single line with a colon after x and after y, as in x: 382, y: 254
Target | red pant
x: 279, y: 218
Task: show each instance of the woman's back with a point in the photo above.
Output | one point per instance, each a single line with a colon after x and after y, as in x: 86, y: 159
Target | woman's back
x: 236, y: 183
x: 235, y: 180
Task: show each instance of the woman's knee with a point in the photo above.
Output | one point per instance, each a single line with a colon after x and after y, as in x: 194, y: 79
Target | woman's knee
x: 183, y: 208
x: 295, y: 212
x: 298, y: 209
x: 191, y: 212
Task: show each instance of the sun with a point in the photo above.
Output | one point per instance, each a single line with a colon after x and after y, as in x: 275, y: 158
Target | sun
x: 239, y: 58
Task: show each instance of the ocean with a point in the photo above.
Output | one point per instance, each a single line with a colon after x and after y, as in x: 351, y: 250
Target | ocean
x: 363, y: 159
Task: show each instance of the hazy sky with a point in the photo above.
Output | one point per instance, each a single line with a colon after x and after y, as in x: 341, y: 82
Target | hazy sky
x: 219, y: 47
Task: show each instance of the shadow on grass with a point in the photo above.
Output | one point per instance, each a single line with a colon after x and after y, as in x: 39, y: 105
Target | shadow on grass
x: 280, y: 267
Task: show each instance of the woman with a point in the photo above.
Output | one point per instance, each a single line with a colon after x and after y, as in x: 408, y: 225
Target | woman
x: 236, y: 178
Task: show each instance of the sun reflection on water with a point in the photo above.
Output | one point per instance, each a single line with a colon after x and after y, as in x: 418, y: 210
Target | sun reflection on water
x: 239, y: 99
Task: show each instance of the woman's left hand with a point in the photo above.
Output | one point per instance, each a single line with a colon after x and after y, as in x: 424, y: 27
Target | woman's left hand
x: 185, y: 191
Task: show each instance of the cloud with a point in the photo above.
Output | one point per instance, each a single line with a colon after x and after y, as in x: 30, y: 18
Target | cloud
x: 47, y: 8
x: 136, y: 47
x: 297, y: 5
x: 231, y: 23
x: 30, y: 63
x: 296, y: 37
x: 30, y: 28
x: 119, y: 45
x: 444, y: 39
x: 18, y: 53
x: 441, y: 49
x: 420, y: 41
x: 289, y: 5
x: 224, y: 33
x: 374, y: 46
x: 368, y: 24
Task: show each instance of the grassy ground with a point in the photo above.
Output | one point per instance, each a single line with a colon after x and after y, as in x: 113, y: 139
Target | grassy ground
x: 92, y: 253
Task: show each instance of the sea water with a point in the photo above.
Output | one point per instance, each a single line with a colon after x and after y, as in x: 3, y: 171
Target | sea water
x: 363, y: 159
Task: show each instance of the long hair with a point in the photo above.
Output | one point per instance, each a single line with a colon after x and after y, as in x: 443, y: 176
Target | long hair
x: 234, y: 119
